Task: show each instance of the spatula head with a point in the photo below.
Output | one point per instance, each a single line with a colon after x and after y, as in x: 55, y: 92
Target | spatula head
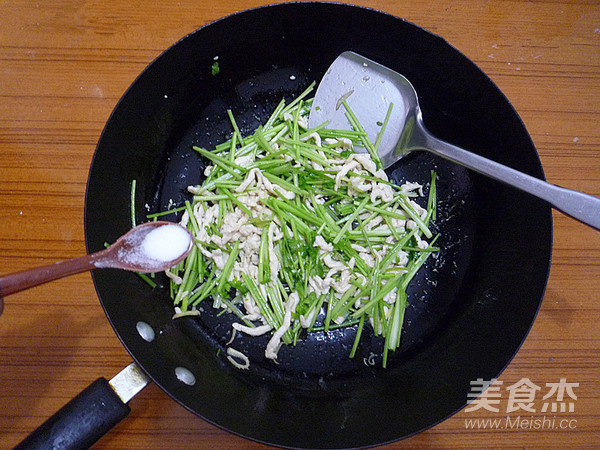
x: 370, y: 88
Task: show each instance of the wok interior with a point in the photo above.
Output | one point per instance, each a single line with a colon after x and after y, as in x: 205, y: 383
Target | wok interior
x: 469, y: 309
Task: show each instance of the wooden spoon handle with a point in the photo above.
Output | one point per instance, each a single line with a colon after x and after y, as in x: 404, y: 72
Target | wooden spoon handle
x: 19, y: 281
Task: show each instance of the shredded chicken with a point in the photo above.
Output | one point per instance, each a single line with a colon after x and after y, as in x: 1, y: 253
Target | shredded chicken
x: 275, y: 341
x: 234, y: 355
x: 252, y: 331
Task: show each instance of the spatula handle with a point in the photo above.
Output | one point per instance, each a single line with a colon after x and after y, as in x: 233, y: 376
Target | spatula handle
x: 580, y: 206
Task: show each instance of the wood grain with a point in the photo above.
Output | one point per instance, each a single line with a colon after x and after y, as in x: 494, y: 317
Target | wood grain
x: 65, y: 63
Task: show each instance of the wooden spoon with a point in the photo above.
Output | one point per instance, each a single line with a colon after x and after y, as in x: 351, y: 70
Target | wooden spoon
x: 150, y: 247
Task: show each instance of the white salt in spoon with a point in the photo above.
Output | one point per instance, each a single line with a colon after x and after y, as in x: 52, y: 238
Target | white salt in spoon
x: 150, y: 247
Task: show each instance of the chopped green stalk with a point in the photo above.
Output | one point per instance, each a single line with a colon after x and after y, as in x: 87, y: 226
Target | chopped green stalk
x: 262, y: 141
x: 299, y: 212
x: 230, y: 167
x: 224, y: 277
x: 370, y: 177
x: 132, y: 202
x: 237, y: 134
x: 336, y: 326
x: 235, y: 310
x: 386, y: 212
x: 187, y: 277
x: 204, y: 290
x: 298, y: 226
x: 209, y: 198
x: 278, y: 309
x: 431, y: 201
x: 297, y: 100
x: 344, y: 303
x: 284, y: 184
x: 200, y: 267
x: 303, y: 149
x: 274, y: 300
x: 260, y: 300
x: 414, y: 216
x: 383, y: 127
x: 350, y: 220
x: 414, y: 268
x: 387, y: 288
x: 222, y: 206
x: 392, y: 228
x: 365, y: 139
x: 359, y: 330
x: 193, y: 224
x: 346, y: 249
x: 353, y: 135
x: 391, y: 255
x: 276, y: 114
x: 295, y: 132
x: 147, y: 279
x: 329, y: 316
x: 314, y: 311
x: 264, y: 270
x: 394, y: 331
x: 328, y: 220
x: 232, y: 148
x: 235, y: 200
x: 165, y: 213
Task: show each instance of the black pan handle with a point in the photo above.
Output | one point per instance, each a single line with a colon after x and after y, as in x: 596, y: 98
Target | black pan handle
x: 81, y: 422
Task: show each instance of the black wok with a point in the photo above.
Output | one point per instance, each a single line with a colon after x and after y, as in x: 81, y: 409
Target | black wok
x: 470, y: 309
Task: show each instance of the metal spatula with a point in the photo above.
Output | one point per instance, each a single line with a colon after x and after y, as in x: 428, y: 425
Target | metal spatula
x: 369, y: 89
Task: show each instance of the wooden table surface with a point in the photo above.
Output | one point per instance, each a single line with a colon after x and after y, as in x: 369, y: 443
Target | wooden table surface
x: 65, y: 63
